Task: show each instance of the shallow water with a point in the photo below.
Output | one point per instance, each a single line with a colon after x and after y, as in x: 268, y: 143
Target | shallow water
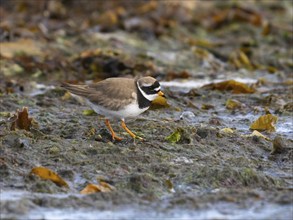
x: 218, y: 210
x: 240, y: 122
x: 255, y: 213
x: 187, y: 85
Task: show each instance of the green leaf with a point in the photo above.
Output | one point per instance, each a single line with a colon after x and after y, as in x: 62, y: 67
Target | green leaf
x: 88, y: 112
x: 174, y: 137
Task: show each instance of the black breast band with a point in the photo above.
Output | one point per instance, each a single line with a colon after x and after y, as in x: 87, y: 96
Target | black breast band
x: 142, y: 101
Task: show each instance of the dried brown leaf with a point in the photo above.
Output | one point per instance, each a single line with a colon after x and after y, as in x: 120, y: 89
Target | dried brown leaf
x: 265, y: 123
x: 174, y: 75
x: 94, y: 188
x: 207, y: 107
x: 48, y: 174
x: 111, y: 18
x: 240, y: 60
x: 147, y: 7
x: 202, y: 43
x: 235, y: 14
x: 244, y: 59
x: 256, y: 133
x: 169, y: 185
x: 27, y: 46
x: 232, y: 104
x: 231, y: 85
x: 21, y: 120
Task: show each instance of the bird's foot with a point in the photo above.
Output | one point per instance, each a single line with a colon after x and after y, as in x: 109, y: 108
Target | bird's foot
x: 137, y: 137
x: 116, y: 138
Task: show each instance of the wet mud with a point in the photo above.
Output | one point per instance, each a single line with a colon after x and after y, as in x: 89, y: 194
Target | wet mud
x: 199, y: 158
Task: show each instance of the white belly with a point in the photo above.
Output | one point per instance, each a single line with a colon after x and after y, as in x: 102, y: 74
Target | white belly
x: 129, y: 111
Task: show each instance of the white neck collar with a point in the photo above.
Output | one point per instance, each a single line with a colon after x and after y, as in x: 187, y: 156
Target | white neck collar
x: 148, y: 97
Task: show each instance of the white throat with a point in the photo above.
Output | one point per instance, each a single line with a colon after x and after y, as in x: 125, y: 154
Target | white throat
x: 148, y: 97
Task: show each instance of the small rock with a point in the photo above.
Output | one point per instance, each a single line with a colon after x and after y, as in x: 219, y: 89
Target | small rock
x: 92, y: 151
x: 187, y: 116
x: 183, y: 160
x: 289, y: 107
x: 23, y: 143
x: 225, y: 131
x: 141, y: 182
x: 66, y: 173
x: 15, y: 141
x: 4, y: 170
x: 202, y: 132
x: 54, y: 150
x: 215, y: 121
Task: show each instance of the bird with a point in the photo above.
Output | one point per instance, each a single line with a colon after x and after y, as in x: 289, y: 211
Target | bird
x: 118, y: 98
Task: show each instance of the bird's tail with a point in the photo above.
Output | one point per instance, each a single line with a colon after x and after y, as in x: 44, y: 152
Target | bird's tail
x: 80, y: 90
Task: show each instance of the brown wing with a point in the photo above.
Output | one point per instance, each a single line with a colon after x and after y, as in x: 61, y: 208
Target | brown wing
x: 81, y: 90
x: 112, y: 93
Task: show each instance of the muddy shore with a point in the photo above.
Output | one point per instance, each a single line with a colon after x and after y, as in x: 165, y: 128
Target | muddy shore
x: 198, y: 159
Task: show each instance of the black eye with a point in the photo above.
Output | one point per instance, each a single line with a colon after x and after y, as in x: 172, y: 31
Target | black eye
x: 155, y: 85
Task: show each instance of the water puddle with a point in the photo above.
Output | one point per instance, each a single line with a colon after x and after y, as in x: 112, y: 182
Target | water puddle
x: 218, y: 210
x: 187, y: 85
x: 39, y: 89
x: 264, y: 212
x: 241, y: 122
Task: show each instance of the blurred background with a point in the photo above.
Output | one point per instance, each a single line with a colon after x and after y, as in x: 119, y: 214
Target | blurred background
x: 80, y: 40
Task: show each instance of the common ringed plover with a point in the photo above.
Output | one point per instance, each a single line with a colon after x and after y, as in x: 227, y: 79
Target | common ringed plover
x: 118, y: 98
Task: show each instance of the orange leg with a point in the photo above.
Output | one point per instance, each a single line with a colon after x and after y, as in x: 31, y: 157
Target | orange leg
x: 114, y: 136
x: 128, y: 131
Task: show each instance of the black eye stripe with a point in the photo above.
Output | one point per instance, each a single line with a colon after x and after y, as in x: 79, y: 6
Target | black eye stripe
x: 149, y: 90
x: 154, y: 86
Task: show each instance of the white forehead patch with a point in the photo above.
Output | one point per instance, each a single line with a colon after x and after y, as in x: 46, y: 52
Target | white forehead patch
x: 158, y: 89
x: 146, y: 84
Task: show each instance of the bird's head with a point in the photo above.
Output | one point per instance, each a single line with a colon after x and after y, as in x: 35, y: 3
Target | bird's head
x: 149, y: 87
